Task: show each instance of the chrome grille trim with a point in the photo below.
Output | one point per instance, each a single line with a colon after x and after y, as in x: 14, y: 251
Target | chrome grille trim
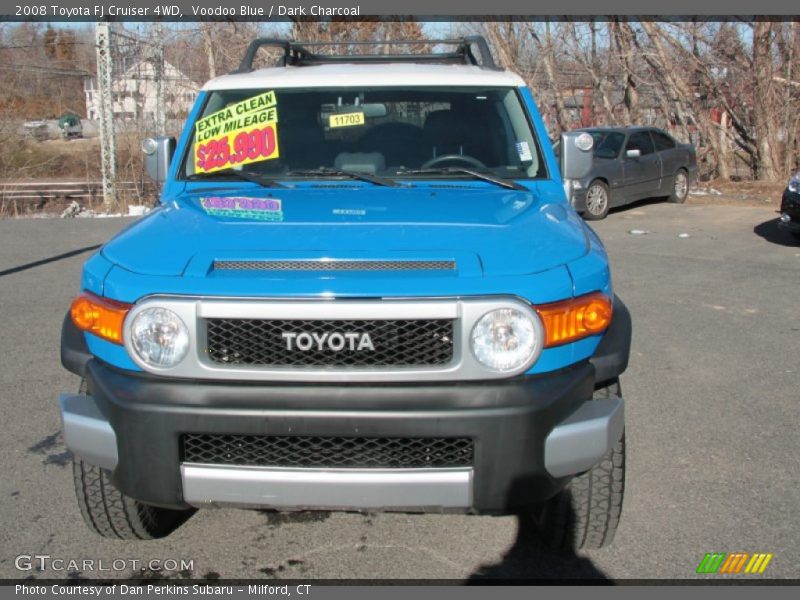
x: 334, y: 265
x: 464, y: 312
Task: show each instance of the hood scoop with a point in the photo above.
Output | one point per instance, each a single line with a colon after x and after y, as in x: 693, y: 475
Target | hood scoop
x: 334, y: 265
x: 347, y: 264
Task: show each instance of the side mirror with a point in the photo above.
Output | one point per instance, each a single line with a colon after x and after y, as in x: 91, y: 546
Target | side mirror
x: 635, y: 153
x: 575, y: 154
x: 157, y: 156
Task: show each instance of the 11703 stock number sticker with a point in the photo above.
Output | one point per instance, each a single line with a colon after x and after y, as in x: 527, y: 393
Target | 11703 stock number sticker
x: 242, y: 133
x: 346, y: 119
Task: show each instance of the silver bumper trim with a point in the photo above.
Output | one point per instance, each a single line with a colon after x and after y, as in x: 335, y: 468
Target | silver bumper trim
x: 585, y: 437
x: 269, y: 487
x: 87, y: 433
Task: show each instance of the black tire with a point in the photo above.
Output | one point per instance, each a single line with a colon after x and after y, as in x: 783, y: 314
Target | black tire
x: 586, y: 513
x: 598, y: 201
x: 680, y: 187
x: 111, y: 514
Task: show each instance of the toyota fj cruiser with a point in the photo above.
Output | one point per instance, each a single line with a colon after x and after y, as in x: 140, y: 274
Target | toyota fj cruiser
x: 363, y: 289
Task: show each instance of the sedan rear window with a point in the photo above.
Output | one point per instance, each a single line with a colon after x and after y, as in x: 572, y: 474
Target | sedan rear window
x: 662, y: 141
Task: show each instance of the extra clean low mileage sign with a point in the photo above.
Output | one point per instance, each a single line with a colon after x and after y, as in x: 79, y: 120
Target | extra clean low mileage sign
x: 242, y: 133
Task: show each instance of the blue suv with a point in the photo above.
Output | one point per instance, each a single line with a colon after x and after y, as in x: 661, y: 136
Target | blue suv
x: 363, y: 289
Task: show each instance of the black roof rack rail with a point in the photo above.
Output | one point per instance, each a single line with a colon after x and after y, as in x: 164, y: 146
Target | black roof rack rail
x: 298, y: 53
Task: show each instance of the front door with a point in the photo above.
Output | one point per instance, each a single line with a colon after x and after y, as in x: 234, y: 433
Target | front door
x: 642, y: 173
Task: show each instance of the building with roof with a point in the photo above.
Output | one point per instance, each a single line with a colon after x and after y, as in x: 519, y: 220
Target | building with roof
x: 135, y: 94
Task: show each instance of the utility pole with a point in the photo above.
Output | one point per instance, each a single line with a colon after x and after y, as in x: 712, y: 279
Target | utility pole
x: 158, y: 64
x: 106, y: 113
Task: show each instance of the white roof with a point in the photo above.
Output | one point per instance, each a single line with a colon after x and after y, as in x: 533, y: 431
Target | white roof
x: 366, y: 75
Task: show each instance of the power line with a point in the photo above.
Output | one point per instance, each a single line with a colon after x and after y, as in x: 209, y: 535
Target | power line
x: 50, y: 70
x: 43, y: 44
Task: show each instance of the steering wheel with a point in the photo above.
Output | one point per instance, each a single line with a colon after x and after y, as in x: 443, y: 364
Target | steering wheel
x: 445, y: 158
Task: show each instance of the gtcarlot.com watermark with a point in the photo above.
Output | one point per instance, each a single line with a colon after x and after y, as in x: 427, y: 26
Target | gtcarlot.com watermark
x: 45, y: 562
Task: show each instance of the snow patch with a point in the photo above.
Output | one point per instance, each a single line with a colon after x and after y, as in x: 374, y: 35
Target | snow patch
x: 76, y: 211
x: 708, y: 191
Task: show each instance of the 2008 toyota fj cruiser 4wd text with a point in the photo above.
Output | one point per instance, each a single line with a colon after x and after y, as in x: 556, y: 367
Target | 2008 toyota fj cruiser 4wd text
x: 363, y: 289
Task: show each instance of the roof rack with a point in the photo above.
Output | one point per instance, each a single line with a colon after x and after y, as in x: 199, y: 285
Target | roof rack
x: 298, y: 53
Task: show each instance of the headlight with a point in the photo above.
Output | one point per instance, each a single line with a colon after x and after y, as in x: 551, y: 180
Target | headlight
x: 794, y: 183
x: 505, y: 339
x: 159, y: 337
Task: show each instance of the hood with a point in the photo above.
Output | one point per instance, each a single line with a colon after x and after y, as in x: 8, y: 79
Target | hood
x: 486, y: 230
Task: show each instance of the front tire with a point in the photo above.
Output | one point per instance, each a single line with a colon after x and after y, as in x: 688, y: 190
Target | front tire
x: 111, y: 514
x: 585, y: 515
x: 598, y: 201
x: 680, y: 187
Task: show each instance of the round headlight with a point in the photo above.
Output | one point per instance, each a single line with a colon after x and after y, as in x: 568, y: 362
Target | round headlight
x: 505, y: 339
x: 159, y: 337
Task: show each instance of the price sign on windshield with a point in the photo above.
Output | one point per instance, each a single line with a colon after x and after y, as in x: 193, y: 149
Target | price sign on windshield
x: 242, y: 133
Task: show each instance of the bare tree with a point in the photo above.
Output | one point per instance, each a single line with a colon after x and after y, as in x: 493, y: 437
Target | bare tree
x: 732, y: 88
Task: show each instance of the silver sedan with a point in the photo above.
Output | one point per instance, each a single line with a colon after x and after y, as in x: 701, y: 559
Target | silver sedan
x: 630, y: 164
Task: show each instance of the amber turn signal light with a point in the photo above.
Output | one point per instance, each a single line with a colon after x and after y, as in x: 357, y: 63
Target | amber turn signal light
x: 99, y: 316
x: 576, y: 318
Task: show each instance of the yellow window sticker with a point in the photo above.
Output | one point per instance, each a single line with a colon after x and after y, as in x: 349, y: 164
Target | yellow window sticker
x: 346, y: 119
x: 242, y: 133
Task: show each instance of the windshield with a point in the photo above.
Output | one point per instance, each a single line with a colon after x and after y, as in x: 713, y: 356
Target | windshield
x: 381, y: 131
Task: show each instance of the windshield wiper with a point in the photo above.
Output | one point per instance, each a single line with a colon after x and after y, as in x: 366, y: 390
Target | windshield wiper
x: 322, y: 171
x: 252, y: 177
x: 495, y: 179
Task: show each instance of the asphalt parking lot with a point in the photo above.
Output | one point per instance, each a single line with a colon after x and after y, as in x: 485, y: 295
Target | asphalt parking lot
x: 712, y: 423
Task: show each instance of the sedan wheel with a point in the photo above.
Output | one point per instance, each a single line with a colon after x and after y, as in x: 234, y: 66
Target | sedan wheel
x: 681, y: 188
x: 597, y: 203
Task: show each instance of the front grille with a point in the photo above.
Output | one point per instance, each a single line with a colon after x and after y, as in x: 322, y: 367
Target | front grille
x: 326, y: 452
x: 334, y: 265
x: 395, y: 343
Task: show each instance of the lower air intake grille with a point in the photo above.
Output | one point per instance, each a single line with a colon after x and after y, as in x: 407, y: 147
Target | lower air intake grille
x: 330, y: 343
x: 326, y: 452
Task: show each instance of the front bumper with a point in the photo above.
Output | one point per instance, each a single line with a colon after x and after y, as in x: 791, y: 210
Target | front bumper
x: 790, y: 207
x: 529, y: 434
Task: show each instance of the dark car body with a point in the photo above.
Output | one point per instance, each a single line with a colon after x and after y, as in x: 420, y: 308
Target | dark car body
x: 790, y: 207
x: 653, y: 173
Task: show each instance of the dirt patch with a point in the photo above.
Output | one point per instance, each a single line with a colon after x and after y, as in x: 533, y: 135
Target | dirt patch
x: 23, y: 159
x: 749, y: 187
x: 740, y: 193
